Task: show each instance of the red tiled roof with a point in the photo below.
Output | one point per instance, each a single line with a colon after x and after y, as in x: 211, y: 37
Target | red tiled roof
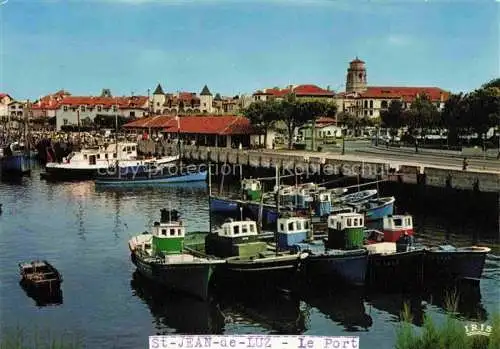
x: 300, y: 90
x: 201, y: 124
x: 325, y: 120
x: 406, y: 93
x: 2, y: 95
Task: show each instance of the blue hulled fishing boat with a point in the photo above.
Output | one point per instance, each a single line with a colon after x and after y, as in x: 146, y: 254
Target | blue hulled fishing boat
x: 15, y: 160
x: 326, y: 263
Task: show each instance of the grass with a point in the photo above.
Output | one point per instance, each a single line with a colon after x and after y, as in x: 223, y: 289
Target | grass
x: 449, y: 335
x: 19, y: 338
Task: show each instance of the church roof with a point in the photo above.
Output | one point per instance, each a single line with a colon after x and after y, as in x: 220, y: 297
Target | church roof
x: 158, y: 90
x: 205, y: 91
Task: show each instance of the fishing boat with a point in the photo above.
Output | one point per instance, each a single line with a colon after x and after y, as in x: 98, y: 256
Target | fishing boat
x: 447, y: 262
x: 393, y: 227
x: 91, y: 162
x: 376, y: 208
x: 40, y: 276
x: 326, y: 264
x: 161, y: 257
x: 151, y: 175
x: 356, y: 197
x: 15, y: 160
x: 249, y: 262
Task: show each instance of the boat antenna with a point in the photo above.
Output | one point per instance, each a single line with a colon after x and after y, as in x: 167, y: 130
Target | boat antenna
x: 277, y: 208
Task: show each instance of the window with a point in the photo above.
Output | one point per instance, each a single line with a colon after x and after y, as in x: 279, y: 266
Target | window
x: 132, y: 114
x: 179, y: 232
x: 282, y: 227
x: 290, y: 226
x: 383, y: 104
x: 371, y: 112
x: 366, y: 104
x: 349, y: 222
x: 252, y: 228
x: 361, y: 221
x: 236, y: 230
x: 114, y: 155
x: 398, y: 222
x: 339, y: 226
x: 172, y: 232
x: 164, y: 232
x: 371, y: 104
x: 299, y: 225
x: 306, y: 225
x: 106, y: 155
x: 99, y: 108
x: 133, y: 148
x: 65, y: 108
x: 355, y: 223
x: 204, y: 104
x: 82, y: 108
x: 65, y: 121
x: 244, y: 228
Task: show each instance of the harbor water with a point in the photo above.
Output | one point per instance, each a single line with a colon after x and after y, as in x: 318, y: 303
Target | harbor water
x: 83, y: 231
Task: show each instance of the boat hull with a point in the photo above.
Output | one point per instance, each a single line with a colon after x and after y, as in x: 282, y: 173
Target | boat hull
x: 396, y: 270
x: 189, y: 278
x: 18, y: 164
x: 221, y: 205
x: 71, y: 173
x: 260, y: 274
x: 439, y: 265
x: 343, y: 269
x: 123, y: 181
x: 378, y: 213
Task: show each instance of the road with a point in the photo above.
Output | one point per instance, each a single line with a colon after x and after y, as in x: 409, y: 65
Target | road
x: 364, y: 149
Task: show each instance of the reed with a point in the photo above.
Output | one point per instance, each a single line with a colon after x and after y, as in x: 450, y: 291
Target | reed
x: 20, y: 338
x: 449, y: 335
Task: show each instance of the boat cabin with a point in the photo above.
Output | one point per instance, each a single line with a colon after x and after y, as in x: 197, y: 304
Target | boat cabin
x: 251, y: 188
x: 235, y: 238
x: 168, y: 234
x: 395, y: 226
x: 292, y: 230
x: 346, y: 231
x: 323, y: 203
x: 94, y: 156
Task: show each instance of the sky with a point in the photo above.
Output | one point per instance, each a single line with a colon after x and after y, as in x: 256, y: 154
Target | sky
x: 238, y: 46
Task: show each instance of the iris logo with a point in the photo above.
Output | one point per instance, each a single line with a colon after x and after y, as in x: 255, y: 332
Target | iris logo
x: 477, y: 330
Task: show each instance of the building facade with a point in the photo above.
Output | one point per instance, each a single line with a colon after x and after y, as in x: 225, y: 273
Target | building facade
x: 299, y: 91
x: 5, y: 100
x: 363, y: 100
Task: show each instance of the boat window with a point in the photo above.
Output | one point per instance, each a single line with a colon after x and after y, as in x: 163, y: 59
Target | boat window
x: 244, y: 228
x: 106, y: 156
x: 172, y: 232
x: 355, y: 223
x: 349, y: 222
x: 236, y: 230
x: 290, y: 226
x: 306, y: 225
x: 408, y: 221
x: 147, y: 246
x: 282, y: 227
x: 179, y: 232
x: 226, y: 232
x: 299, y: 225
x: 252, y: 228
x: 339, y: 226
x: 133, y: 148
x: 164, y: 231
x: 398, y: 222
x: 361, y: 222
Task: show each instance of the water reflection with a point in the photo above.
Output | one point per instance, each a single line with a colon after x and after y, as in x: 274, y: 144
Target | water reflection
x: 345, y: 309
x: 177, y: 312
x: 394, y: 305
x: 43, y: 299
x: 280, y: 314
x: 465, y: 296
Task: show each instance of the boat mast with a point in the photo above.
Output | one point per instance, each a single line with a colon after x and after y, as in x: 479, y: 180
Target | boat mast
x: 277, y: 208
x: 116, y: 136
x: 209, y: 196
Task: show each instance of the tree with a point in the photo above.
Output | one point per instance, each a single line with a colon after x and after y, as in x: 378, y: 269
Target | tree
x: 392, y: 118
x: 313, y: 109
x: 422, y: 115
x: 454, y: 117
x: 263, y: 115
x: 483, y: 109
x: 293, y: 115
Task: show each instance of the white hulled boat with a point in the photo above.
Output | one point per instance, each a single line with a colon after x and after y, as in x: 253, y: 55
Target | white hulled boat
x: 90, y: 162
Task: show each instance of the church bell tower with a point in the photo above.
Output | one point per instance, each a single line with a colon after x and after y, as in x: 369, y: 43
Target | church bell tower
x: 356, y: 76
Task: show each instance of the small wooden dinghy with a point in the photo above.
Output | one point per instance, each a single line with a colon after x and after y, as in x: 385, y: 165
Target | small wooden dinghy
x: 40, y: 276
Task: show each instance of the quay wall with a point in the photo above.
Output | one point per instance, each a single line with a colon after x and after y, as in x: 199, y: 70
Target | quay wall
x: 366, y: 168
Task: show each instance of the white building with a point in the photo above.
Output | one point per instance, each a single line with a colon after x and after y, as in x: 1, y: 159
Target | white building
x: 71, y: 110
x: 5, y: 100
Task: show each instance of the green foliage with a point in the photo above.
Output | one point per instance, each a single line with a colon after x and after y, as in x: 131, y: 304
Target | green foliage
x: 450, y: 335
x: 393, y: 116
x: 21, y: 339
x: 263, y: 115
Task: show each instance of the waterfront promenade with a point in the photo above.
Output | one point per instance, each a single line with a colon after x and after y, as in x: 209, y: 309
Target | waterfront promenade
x: 431, y: 170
